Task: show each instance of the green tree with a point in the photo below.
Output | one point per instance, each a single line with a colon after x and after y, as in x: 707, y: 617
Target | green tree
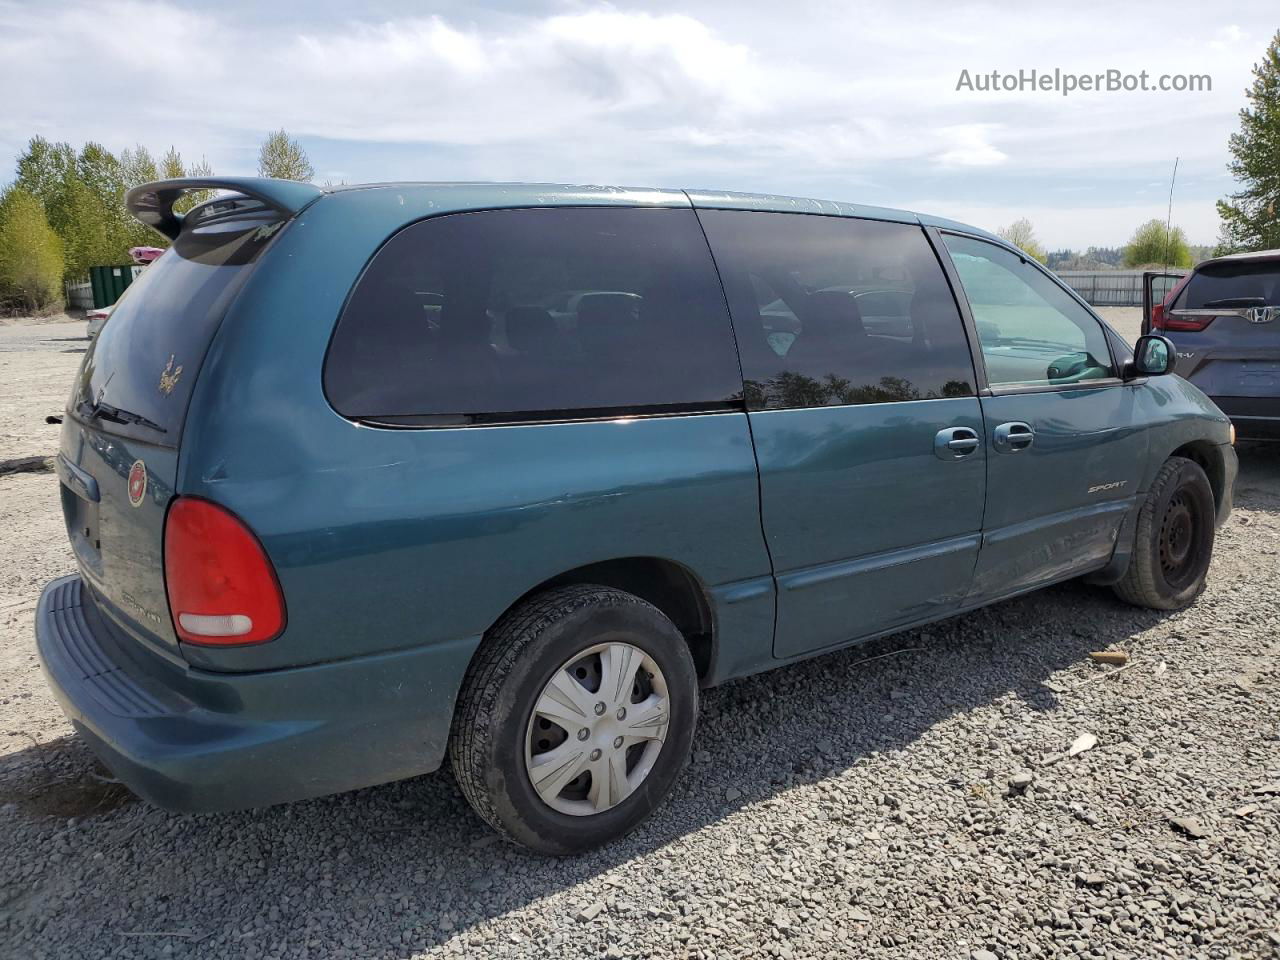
x: 30, y: 252
x: 101, y: 172
x: 46, y: 170
x: 89, y: 240
x: 1022, y: 235
x: 138, y: 166
x: 83, y: 196
x: 82, y: 193
x: 1201, y: 251
x: 1251, y: 217
x: 284, y: 158
x: 1155, y: 244
x: 172, y: 168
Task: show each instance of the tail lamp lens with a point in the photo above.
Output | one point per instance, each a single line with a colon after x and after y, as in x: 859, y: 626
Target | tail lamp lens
x: 222, y: 588
x: 1172, y: 320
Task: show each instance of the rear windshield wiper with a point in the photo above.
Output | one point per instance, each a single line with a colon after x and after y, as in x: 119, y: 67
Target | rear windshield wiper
x: 1237, y: 302
x: 105, y: 411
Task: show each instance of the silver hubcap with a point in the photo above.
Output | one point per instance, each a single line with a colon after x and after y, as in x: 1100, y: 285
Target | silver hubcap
x: 596, y: 729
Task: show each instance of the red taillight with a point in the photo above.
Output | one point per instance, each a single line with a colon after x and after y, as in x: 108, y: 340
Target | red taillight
x: 1171, y: 320
x: 222, y: 589
x: 1160, y: 312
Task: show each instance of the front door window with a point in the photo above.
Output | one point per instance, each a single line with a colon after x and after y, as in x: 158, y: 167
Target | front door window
x: 1032, y: 332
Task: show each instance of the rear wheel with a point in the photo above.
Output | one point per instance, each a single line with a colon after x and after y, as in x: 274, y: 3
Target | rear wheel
x: 1174, y: 540
x: 575, y: 718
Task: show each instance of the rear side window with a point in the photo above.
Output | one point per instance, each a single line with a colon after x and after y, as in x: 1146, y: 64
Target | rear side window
x: 833, y: 310
x: 511, y: 315
x: 143, y: 364
x: 1232, y: 285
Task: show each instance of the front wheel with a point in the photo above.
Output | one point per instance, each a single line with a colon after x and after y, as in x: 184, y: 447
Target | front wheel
x: 1174, y: 540
x: 575, y: 718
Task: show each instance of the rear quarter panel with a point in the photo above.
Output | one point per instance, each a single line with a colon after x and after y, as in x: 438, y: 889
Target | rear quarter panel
x: 386, y: 539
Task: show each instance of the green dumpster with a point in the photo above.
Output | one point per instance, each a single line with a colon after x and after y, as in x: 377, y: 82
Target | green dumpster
x: 109, y: 282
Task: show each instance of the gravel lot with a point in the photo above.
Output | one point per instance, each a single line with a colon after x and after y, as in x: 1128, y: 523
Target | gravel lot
x: 921, y: 804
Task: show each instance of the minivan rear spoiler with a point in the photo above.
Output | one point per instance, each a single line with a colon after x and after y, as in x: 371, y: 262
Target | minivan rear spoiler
x: 152, y: 203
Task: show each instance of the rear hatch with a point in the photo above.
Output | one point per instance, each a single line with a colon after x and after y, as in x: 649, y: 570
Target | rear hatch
x: 1225, y: 324
x: 118, y: 461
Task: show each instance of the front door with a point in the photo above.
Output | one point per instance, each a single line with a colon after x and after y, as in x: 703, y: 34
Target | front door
x: 1065, y: 449
x: 863, y: 408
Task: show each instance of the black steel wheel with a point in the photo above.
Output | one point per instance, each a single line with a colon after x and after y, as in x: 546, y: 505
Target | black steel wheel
x: 1173, y: 544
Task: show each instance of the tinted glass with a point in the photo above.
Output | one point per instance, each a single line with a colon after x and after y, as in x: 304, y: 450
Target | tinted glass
x: 1031, y: 330
x: 1240, y: 284
x: 147, y: 356
x: 509, y: 314
x: 830, y: 310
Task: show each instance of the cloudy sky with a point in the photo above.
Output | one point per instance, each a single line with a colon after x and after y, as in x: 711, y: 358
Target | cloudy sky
x: 849, y: 101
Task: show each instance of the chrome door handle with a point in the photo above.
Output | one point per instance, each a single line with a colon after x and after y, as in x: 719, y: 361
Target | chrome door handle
x: 1013, y: 437
x: 955, y: 443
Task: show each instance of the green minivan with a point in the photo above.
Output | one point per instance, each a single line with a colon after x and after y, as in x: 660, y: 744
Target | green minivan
x: 361, y: 479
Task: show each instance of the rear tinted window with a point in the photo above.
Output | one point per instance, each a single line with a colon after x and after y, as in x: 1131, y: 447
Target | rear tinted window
x: 511, y: 315
x: 1259, y: 283
x: 146, y: 358
x: 831, y: 310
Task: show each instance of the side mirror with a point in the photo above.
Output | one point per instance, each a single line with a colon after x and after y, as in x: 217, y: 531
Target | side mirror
x: 1153, y: 356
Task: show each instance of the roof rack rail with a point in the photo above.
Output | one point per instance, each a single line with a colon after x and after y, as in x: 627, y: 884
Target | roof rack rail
x: 152, y: 203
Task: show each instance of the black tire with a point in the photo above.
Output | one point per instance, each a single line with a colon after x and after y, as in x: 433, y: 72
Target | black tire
x: 515, y: 661
x: 1174, y: 540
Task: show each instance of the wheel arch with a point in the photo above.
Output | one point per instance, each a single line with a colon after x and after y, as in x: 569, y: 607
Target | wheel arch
x: 670, y: 586
x: 1208, y: 457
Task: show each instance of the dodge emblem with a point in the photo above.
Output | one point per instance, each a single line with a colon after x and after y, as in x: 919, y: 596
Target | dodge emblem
x: 137, y: 482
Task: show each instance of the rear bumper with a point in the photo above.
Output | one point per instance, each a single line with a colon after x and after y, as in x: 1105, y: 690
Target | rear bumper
x: 199, y: 741
x: 1255, y: 418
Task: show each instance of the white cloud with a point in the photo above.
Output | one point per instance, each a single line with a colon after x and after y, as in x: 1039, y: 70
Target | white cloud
x: 969, y: 146
x: 1227, y: 36
x: 855, y: 101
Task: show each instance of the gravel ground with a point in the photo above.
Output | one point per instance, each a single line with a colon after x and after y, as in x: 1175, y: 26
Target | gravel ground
x: 921, y: 804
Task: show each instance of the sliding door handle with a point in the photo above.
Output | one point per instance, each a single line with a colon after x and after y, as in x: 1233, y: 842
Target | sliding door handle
x: 1013, y: 437
x: 955, y: 443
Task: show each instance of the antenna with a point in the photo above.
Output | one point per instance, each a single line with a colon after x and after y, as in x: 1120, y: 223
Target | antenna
x: 1168, y: 223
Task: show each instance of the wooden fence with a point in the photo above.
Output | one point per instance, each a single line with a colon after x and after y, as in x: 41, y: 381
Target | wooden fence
x: 80, y: 296
x: 1107, y: 288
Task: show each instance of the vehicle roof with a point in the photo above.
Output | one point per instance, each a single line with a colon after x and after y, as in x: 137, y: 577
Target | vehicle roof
x: 479, y: 195
x: 1255, y: 256
x: 153, y: 203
